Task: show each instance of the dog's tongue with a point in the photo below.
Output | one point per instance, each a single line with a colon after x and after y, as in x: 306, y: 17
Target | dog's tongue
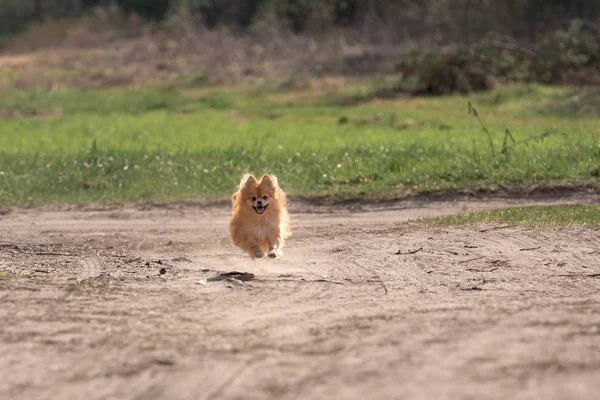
x: 260, y: 209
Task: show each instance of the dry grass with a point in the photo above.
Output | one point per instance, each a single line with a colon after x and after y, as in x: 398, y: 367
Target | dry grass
x: 102, y: 51
x: 108, y: 50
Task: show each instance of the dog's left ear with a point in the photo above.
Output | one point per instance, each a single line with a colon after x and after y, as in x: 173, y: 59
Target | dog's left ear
x: 269, y: 181
x: 247, y: 181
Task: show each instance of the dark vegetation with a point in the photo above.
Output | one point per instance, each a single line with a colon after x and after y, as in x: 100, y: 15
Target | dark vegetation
x: 431, y: 46
x: 454, y: 19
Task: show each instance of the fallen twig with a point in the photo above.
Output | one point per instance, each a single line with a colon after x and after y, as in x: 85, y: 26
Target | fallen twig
x: 531, y: 248
x: 399, y: 252
x: 579, y: 276
x: 326, y: 281
x: 47, y: 253
x: 496, y: 228
x: 472, y: 288
x: 471, y: 259
x: 482, y: 270
x: 291, y: 279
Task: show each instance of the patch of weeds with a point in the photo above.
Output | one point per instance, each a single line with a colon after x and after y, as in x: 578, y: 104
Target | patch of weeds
x: 579, y: 103
x: 366, y: 92
x: 194, y: 80
x: 284, y: 84
x: 544, y: 216
x: 33, y: 103
x: 359, y: 179
x: 88, y: 282
x: 392, y: 120
x: 218, y: 101
x: 43, y: 270
x: 456, y: 70
x: 8, y: 275
x: 509, y: 94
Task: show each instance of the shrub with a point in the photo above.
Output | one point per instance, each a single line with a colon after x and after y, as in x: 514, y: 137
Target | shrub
x: 150, y: 9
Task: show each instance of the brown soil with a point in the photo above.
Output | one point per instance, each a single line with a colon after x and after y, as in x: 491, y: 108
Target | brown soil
x: 133, y: 302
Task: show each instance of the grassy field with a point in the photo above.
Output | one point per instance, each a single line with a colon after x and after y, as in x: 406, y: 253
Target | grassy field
x: 116, y: 145
x: 540, y: 216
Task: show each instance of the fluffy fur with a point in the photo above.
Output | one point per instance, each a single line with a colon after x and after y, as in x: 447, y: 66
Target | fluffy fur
x: 259, y: 223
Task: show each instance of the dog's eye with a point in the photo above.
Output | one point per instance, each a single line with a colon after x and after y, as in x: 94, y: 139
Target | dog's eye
x: 265, y: 197
x: 253, y: 198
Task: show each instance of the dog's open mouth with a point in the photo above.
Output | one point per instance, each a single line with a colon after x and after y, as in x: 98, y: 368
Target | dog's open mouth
x: 260, y: 209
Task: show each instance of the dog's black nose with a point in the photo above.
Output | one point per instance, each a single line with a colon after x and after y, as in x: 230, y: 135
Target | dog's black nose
x: 259, y: 202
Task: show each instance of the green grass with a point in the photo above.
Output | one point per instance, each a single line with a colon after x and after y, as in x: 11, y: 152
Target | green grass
x: 7, y: 275
x: 125, y: 145
x: 528, y: 216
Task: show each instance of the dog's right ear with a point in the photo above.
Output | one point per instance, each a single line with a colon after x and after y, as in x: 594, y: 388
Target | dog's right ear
x: 247, y: 181
x: 269, y: 181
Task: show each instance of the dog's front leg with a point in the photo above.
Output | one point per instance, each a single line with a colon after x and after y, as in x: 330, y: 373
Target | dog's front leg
x: 258, y: 252
x: 253, y: 248
x: 274, y: 242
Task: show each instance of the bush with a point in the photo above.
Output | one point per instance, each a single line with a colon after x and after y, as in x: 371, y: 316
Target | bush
x: 151, y: 9
x: 240, y: 13
x: 14, y: 16
x: 442, y: 72
x: 560, y: 56
x: 453, y: 20
x: 572, y: 48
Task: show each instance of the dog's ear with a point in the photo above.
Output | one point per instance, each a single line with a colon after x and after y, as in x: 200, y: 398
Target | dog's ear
x: 247, y: 181
x: 268, y: 181
x: 234, y: 199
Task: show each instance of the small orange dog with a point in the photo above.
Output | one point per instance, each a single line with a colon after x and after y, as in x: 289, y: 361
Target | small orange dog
x: 259, y: 222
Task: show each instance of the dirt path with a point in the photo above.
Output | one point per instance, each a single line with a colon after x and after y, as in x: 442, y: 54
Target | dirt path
x: 130, y: 303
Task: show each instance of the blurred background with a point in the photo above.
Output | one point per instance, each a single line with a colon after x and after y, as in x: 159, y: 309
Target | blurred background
x: 436, y: 46
x: 142, y: 100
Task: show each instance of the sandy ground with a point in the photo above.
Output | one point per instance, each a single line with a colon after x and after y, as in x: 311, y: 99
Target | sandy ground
x: 132, y: 302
